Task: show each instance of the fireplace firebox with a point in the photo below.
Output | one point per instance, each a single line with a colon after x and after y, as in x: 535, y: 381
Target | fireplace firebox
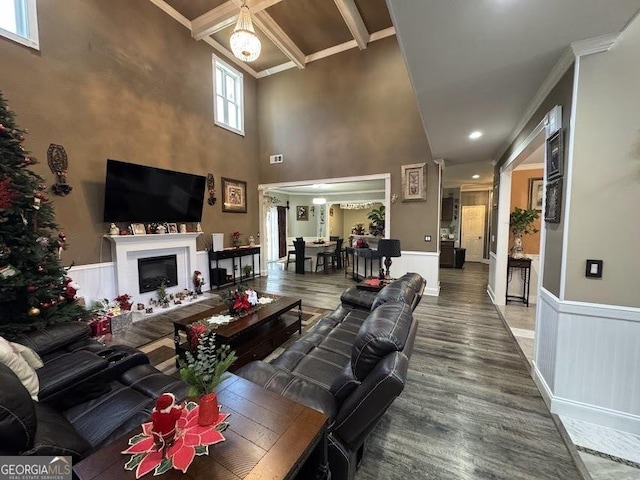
x: 154, y: 271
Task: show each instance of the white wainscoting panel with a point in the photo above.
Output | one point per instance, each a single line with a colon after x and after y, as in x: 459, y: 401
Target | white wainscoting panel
x: 491, y: 286
x: 546, y: 339
x: 426, y: 264
x: 598, y: 365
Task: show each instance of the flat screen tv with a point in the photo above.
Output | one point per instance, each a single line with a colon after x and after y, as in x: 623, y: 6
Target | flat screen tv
x: 136, y: 193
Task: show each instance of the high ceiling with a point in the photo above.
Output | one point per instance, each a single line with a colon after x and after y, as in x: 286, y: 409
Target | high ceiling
x: 292, y: 32
x: 474, y: 65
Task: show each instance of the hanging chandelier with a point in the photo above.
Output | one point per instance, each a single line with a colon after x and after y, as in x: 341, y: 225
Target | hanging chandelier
x: 244, y: 42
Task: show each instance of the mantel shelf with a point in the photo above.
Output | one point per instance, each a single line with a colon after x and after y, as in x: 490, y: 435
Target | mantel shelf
x: 151, y: 237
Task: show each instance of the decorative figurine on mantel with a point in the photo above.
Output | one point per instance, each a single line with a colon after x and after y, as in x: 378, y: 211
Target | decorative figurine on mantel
x: 252, y: 241
x: 114, y: 230
x: 198, y: 228
x: 198, y: 281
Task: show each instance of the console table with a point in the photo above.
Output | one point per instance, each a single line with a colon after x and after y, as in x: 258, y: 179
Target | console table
x: 233, y: 254
x: 368, y: 256
x: 524, y: 266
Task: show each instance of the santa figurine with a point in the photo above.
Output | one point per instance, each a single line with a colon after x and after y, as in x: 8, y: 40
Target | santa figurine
x: 70, y: 289
x: 163, y: 418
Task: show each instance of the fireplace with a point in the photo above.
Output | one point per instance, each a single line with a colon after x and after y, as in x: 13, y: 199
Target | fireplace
x: 154, y: 271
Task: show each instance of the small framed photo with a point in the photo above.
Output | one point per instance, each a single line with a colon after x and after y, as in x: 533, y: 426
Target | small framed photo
x: 414, y: 182
x: 553, y: 204
x: 536, y: 193
x: 554, y: 156
x: 234, y: 196
x: 172, y: 228
x: 138, y: 229
x: 302, y: 213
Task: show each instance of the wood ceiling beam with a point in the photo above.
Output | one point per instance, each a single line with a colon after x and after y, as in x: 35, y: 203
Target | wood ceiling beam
x: 354, y: 22
x: 280, y: 39
x: 243, y: 65
x: 223, y: 16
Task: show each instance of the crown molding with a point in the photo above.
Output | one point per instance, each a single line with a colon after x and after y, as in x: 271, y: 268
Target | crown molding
x: 594, y: 45
x: 557, y: 72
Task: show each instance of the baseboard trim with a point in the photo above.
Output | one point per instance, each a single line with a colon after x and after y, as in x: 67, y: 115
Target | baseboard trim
x: 432, y: 292
x: 492, y: 295
x: 624, y: 422
x: 543, y: 388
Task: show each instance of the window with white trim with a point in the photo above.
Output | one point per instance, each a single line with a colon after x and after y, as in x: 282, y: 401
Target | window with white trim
x: 228, y: 93
x: 19, y: 22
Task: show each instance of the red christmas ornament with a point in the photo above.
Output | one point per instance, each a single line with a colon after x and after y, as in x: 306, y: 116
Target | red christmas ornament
x: 45, y: 305
x: 31, y: 289
x: 42, y: 186
x: 2, y: 127
x: 40, y: 269
x: 62, y: 236
x: 21, y: 138
x: 38, y: 195
x: 27, y: 161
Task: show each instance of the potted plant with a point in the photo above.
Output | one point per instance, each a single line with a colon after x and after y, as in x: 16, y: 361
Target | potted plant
x: 377, y: 217
x: 521, y: 223
x: 204, y: 370
x: 246, y: 271
x: 235, y: 238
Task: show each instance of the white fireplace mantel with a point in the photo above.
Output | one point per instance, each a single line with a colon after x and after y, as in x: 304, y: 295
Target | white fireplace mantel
x: 127, y: 249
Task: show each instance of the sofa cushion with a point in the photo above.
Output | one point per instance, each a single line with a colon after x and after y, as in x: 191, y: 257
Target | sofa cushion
x: 46, y: 341
x: 56, y: 436
x: 394, y: 292
x: 11, y: 357
x: 31, y: 357
x: 117, y: 411
x: 384, y: 332
x: 17, y: 415
x: 67, y: 370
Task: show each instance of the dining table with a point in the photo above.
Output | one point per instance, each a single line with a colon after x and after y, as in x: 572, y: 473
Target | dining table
x: 312, y: 249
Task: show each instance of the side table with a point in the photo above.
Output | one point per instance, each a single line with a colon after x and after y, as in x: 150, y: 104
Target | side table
x: 524, y: 266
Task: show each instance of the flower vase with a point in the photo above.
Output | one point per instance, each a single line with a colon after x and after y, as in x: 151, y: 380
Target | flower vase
x: 209, y: 409
x: 517, y: 251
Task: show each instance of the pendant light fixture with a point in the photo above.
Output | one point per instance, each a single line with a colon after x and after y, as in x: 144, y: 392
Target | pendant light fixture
x: 244, y: 42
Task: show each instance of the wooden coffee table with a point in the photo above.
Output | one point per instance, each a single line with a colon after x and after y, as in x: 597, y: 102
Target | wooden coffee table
x: 269, y: 437
x: 253, y: 336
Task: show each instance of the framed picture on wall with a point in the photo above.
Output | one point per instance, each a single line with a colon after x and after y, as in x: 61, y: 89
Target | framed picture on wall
x: 536, y: 193
x: 553, y: 203
x: 414, y: 182
x: 554, y: 156
x: 234, y: 195
x: 302, y: 213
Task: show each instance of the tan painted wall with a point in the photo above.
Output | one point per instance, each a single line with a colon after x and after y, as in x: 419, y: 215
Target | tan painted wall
x: 562, y: 94
x: 520, y: 198
x: 351, y: 217
x: 605, y: 188
x: 121, y: 79
x: 351, y: 114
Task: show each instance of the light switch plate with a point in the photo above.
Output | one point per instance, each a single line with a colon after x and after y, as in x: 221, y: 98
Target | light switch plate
x: 427, y: 238
x: 594, y: 269
x: 278, y: 158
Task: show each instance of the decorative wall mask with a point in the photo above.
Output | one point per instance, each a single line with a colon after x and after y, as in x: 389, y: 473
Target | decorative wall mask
x: 58, y: 163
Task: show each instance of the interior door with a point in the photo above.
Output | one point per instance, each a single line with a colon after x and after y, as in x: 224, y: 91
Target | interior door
x: 473, y: 232
x: 282, y: 232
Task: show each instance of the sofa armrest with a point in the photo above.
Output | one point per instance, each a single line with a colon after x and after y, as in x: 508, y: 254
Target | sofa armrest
x: 355, y: 297
x: 362, y: 410
x: 284, y: 383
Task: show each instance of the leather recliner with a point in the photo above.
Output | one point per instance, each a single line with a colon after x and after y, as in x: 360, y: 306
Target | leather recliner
x: 351, y: 366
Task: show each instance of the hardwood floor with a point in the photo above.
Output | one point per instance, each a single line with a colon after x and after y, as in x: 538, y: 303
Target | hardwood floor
x: 469, y: 410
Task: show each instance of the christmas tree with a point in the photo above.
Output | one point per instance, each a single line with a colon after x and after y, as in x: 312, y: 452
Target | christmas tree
x: 34, y: 290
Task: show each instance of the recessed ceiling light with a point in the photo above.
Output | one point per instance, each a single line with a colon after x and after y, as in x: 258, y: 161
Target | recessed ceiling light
x: 475, y: 176
x: 475, y: 135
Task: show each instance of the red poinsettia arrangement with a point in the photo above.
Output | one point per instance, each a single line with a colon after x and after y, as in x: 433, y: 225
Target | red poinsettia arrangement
x: 124, y: 301
x: 240, y: 302
x: 191, y: 439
